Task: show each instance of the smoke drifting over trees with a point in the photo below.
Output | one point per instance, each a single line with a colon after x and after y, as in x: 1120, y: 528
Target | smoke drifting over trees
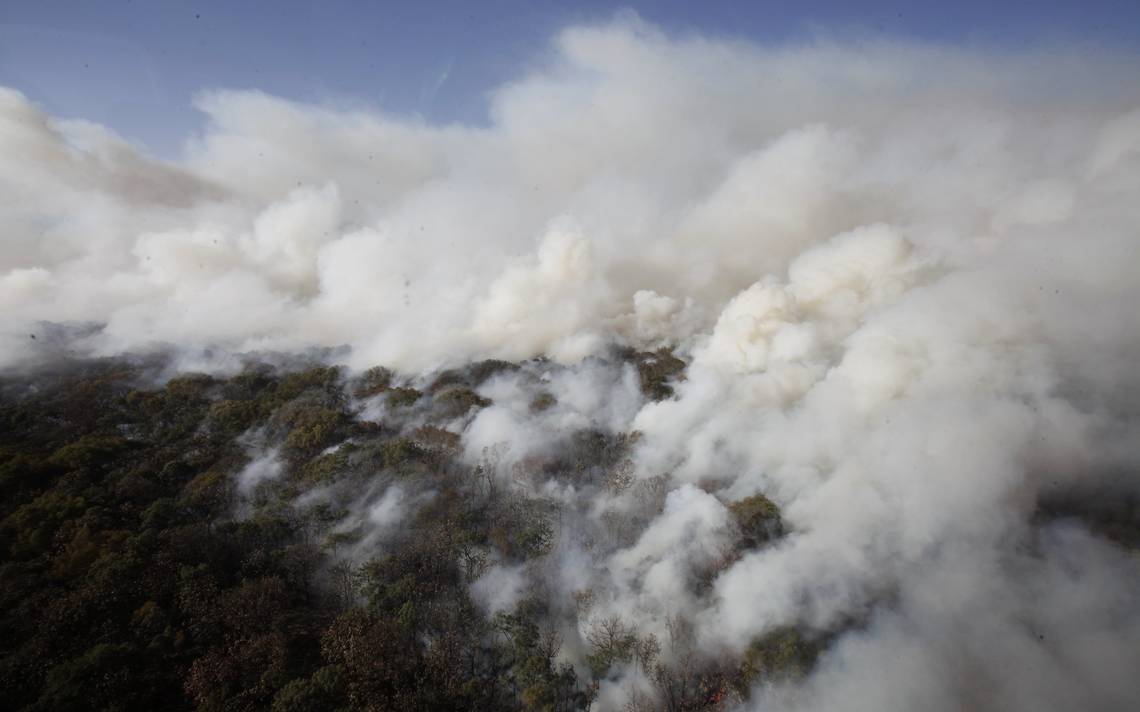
x: 707, y: 376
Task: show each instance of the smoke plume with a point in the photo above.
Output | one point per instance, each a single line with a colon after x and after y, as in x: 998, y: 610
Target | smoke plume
x: 903, y: 277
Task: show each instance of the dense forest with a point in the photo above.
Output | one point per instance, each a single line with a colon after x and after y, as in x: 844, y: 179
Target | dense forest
x: 218, y: 543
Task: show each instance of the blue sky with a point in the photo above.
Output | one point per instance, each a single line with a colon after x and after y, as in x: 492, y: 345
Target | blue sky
x: 135, y: 65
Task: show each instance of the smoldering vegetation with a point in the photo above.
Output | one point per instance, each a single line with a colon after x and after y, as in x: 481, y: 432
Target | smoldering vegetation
x: 705, y: 376
x: 303, y: 539
x: 308, y: 538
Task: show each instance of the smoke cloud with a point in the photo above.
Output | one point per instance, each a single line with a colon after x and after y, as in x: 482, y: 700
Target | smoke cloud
x: 904, y: 278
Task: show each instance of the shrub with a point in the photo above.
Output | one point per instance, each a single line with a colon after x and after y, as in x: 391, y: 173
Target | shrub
x: 324, y: 469
x: 373, y: 381
x: 209, y: 492
x: 458, y: 401
x: 90, y: 451
x: 778, y: 655
x: 403, y: 397
x: 321, y: 378
x: 758, y: 519
x: 233, y: 417
x: 611, y: 641
x: 323, y: 690
x: 400, y: 452
x: 656, y: 370
x: 485, y: 369
x: 542, y: 402
x: 311, y: 429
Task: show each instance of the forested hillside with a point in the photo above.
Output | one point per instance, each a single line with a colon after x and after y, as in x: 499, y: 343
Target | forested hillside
x: 220, y: 544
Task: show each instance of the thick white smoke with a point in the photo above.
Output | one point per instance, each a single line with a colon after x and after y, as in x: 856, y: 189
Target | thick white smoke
x: 905, y: 277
